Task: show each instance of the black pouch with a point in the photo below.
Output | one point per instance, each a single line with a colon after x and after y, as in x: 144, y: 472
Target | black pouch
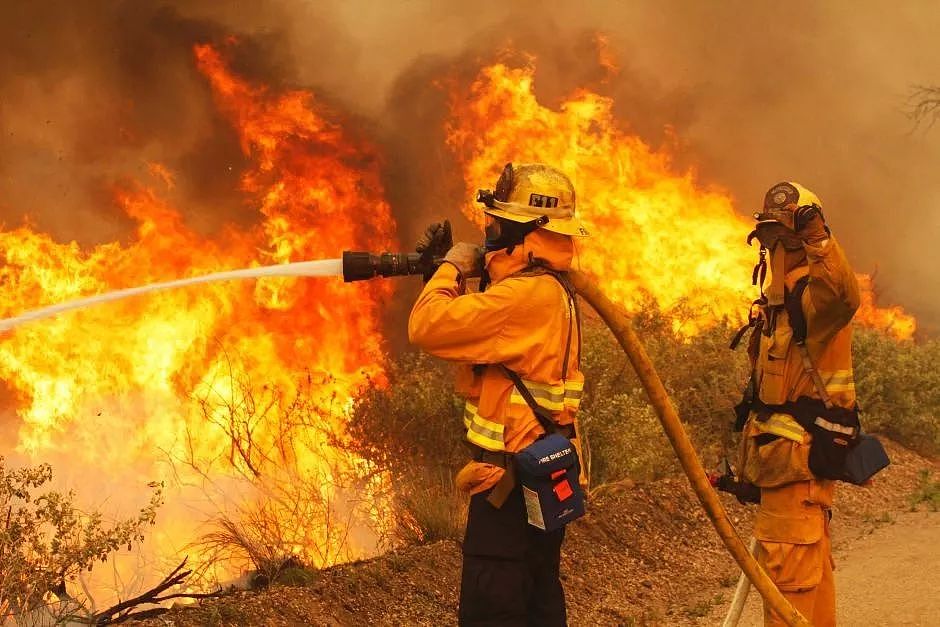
x: 866, y: 458
x: 741, y: 413
x: 835, y: 434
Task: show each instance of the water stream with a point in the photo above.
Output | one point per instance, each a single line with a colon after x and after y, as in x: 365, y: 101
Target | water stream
x: 323, y: 267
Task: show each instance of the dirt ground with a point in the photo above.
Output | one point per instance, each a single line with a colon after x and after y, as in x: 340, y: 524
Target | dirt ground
x: 643, y: 555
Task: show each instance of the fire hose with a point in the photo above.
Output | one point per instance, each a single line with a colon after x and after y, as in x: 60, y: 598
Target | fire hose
x: 619, y: 324
x: 360, y: 265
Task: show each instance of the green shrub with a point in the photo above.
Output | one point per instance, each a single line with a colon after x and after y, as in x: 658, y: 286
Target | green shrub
x: 626, y: 440
x: 927, y: 492
x: 46, y: 541
x: 704, y: 380
x: 898, y: 386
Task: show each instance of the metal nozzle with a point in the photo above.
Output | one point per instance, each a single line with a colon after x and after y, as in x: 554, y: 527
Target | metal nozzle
x: 358, y: 266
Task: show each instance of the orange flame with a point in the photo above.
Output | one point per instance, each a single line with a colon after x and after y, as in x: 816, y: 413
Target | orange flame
x: 658, y: 233
x: 139, y: 381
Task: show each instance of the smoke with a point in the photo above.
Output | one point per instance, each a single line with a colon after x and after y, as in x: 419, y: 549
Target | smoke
x: 95, y: 92
x: 752, y: 93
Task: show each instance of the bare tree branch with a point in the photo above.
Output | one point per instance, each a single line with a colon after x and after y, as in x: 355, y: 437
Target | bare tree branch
x: 924, y: 102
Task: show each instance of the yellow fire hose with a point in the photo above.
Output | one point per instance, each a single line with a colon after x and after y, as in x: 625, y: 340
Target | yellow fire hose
x: 619, y: 324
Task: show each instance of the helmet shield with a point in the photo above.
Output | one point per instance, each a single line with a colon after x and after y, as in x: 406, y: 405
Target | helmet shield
x: 504, y: 184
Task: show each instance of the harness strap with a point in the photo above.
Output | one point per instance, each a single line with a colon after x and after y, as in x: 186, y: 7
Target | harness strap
x: 574, y: 311
x: 501, y: 459
x: 814, y: 375
x: 760, y: 271
x: 754, y: 321
x: 793, y: 303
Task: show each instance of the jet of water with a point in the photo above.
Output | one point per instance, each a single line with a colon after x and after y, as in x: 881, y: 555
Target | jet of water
x: 323, y: 267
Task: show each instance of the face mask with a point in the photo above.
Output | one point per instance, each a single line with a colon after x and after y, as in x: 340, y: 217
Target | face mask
x: 492, y: 231
x: 506, y: 234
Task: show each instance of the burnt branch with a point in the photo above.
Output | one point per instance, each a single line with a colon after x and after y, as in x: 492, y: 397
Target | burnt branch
x: 123, y: 611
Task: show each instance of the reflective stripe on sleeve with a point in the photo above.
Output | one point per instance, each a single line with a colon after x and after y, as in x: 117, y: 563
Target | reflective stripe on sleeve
x: 482, y: 432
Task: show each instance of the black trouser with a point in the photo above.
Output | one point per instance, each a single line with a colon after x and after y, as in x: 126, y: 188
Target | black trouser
x: 510, y: 568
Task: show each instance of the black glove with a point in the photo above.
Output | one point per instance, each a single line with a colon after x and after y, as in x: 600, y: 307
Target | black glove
x: 742, y: 490
x: 809, y: 223
x: 726, y: 481
x: 433, y: 246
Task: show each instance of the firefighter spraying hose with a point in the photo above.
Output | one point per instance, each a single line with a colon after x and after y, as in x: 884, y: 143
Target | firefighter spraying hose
x: 359, y: 266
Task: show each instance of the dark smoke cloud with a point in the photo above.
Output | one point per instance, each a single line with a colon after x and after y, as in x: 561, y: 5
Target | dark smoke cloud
x: 755, y: 92
x: 95, y: 91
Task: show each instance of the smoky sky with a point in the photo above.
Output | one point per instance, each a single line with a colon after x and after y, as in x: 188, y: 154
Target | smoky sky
x: 753, y: 92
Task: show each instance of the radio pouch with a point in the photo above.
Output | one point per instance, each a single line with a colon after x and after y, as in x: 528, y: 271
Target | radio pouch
x: 548, y: 472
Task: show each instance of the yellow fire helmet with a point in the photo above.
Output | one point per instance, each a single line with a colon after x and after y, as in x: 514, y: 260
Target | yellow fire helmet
x: 529, y: 191
x: 784, y: 195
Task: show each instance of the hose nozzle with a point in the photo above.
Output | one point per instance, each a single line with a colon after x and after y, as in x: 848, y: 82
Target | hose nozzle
x: 359, y: 266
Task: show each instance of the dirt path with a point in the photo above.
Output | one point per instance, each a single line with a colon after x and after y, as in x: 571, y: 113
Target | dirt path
x: 889, y: 575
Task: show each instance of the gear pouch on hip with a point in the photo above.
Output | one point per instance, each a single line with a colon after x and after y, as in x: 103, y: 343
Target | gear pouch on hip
x: 548, y: 471
x: 771, y: 460
x: 834, y: 436
x: 866, y: 458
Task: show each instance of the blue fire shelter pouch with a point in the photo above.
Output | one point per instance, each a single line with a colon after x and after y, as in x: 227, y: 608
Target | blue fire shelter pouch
x: 548, y: 471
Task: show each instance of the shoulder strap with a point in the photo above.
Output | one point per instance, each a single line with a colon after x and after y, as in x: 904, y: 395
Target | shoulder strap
x: 547, y: 423
x: 793, y: 302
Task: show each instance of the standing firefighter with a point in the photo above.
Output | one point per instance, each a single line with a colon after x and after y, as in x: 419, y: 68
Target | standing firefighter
x: 799, y: 415
x: 518, y: 341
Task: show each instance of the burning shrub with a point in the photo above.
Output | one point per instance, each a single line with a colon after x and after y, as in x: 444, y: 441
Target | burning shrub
x: 303, y: 503
x: 46, y: 541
